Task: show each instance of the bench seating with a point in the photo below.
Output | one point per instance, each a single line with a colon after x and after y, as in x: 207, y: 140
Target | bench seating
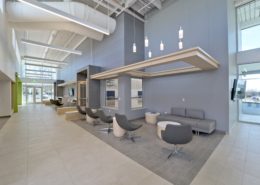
x: 73, y: 115
x: 194, y: 118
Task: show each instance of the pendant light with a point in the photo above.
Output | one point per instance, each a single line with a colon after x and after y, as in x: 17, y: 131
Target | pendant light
x: 180, y: 33
x: 134, y: 48
x: 180, y: 44
x: 146, y: 41
x: 161, y: 45
x: 150, y: 54
x: 134, y: 45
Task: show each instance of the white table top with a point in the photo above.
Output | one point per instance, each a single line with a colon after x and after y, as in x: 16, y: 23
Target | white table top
x: 155, y: 114
x: 164, y: 123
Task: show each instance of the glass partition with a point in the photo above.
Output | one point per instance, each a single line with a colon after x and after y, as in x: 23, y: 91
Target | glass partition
x: 112, y: 93
x: 136, y: 93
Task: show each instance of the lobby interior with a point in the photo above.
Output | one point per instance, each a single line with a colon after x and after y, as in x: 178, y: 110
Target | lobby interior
x: 118, y: 92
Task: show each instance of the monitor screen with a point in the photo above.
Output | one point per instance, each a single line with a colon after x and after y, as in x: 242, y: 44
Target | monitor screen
x: 71, y: 91
x: 239, y: 89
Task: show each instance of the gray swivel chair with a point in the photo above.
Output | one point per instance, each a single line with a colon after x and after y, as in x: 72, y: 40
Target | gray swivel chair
x: 81, y: 112
x: 126, y: 125
x: 52, y: 101
x: 177, y: 134
x: 105, y: 119
x: 92, y: 115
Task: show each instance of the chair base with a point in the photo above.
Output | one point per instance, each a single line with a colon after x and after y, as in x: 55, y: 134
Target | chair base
x: 83, y: 119
x: 96, y: 123
x: 106, y: 130
x: 177, y: 151
x: 129, y: 136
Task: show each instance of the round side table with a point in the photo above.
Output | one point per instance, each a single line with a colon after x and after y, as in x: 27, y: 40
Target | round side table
x: 89, y: 119
x: 162, y: 125
x: 117, y: 130
x: 151, y: 117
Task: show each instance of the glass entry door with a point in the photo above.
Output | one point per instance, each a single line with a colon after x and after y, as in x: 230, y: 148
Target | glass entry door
x: 33, y: 95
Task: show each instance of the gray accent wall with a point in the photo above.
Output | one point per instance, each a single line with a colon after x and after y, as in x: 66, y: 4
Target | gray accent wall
x: 207, y: 90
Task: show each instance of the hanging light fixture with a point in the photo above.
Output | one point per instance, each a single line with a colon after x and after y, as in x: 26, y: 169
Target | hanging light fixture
x: 150, y: 54
x: 134, y: 45
x: 134, y: 48
x: 146, y: 41
x: 161, y: 46
x: 180, y: 44
x: 181, y: 33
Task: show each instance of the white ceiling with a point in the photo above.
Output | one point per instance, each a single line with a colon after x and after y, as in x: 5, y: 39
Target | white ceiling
x: 71, y: 40
x: 249, y: 11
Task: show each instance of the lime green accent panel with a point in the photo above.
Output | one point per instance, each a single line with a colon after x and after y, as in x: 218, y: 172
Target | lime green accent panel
x: 17, y: 79
x: 20, y: 84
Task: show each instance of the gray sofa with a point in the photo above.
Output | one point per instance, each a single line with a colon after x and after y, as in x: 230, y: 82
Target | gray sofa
x: 194, y: 118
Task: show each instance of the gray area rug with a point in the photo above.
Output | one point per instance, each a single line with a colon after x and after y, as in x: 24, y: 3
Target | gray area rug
x: 148, y: 151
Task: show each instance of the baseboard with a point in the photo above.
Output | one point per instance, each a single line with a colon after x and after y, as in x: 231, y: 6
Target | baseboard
x: 5, y: 116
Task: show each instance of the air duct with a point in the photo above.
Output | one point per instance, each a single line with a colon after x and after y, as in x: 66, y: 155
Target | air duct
x: 25, y: 17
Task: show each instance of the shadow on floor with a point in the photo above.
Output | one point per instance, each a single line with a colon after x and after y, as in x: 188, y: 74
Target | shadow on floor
x: 148, y: 152
x: 3, y: 121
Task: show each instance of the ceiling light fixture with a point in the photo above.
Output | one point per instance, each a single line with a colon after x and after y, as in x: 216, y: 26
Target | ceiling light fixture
x: 146, y: 41
x: 40, y: 71
x: 134, y: 45
x: 28, y: 64
x: 25, y: 41
x: 134, y: 48
x: 180, y: 33
x: 149, y: 54
x: 180, y: 44
x: 65, y: 15
x: 44, y: 60
x: 161, y: 46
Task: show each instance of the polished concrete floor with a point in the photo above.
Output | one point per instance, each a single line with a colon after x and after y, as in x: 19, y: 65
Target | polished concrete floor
x: 236, y: 161
x: 39, y: 147
x: 148, y: 152
x: 3, y: 121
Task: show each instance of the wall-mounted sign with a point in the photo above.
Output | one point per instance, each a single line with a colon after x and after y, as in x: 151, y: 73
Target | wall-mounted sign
x: 34, y: 80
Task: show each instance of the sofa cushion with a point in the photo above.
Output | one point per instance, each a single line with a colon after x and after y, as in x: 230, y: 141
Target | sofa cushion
x: 161, y: 117
x: 193, y: 113
x: 169, y: 117
x: 178, y: 112
x: 206, y: 124
x: 189, y: 121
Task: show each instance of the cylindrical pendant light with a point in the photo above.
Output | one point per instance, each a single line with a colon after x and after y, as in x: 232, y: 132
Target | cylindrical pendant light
x: 180, y: 33
x: 161, y: 46
x: 134, y: 48
x: 146, y: 41
x: 149, y: 54
x: 180, y: 44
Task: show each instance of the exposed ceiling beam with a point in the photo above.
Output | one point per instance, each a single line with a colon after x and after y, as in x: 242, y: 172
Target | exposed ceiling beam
x: 50, y: 46
x: 40, y: 71
x: 44, y: 66
x: 65, y: 15
x: 113, y: 10
x: 157, y: 3
x: 44, y: 60
x: 128, y: 3
x: 37, y: 74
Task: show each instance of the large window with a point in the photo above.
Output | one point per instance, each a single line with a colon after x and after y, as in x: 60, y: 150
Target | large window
x: 112, y: 93
x: 136, y: 93
x: 248, y: 26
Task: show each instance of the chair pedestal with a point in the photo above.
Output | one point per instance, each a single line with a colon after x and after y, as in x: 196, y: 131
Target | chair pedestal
x: 176, y: 151
x: 128, y: 135
x: 106, y: 130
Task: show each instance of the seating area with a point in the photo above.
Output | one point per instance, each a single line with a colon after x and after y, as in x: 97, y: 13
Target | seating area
x: 194, y: 118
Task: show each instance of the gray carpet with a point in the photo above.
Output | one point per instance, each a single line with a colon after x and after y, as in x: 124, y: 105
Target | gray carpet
x: 148, y: 151
x: 3, y: 121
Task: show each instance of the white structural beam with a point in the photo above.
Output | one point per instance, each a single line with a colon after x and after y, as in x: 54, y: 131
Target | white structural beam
x: 51, y: 46
x: 34, y: 74
x: 44, y: 60
x: 157, y: 3
x: 44, y: 66
x: 40, y: 71
x: 65, y: 15
x: 128, y: 3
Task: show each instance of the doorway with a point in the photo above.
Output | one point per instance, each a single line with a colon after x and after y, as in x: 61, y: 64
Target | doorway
x: 33, y: 95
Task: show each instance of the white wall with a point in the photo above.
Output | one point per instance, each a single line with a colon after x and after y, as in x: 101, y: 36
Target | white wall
x: 5, y: 98
x: 8, y: 60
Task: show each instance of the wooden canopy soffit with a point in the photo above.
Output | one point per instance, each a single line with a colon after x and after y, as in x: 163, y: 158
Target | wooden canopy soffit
x: 196, y: 57
x: 67, y: 83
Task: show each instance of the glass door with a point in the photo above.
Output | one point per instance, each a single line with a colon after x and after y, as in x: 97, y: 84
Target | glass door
x: 38, y: 95
x: 30, y: 95
x: 24, y: 94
